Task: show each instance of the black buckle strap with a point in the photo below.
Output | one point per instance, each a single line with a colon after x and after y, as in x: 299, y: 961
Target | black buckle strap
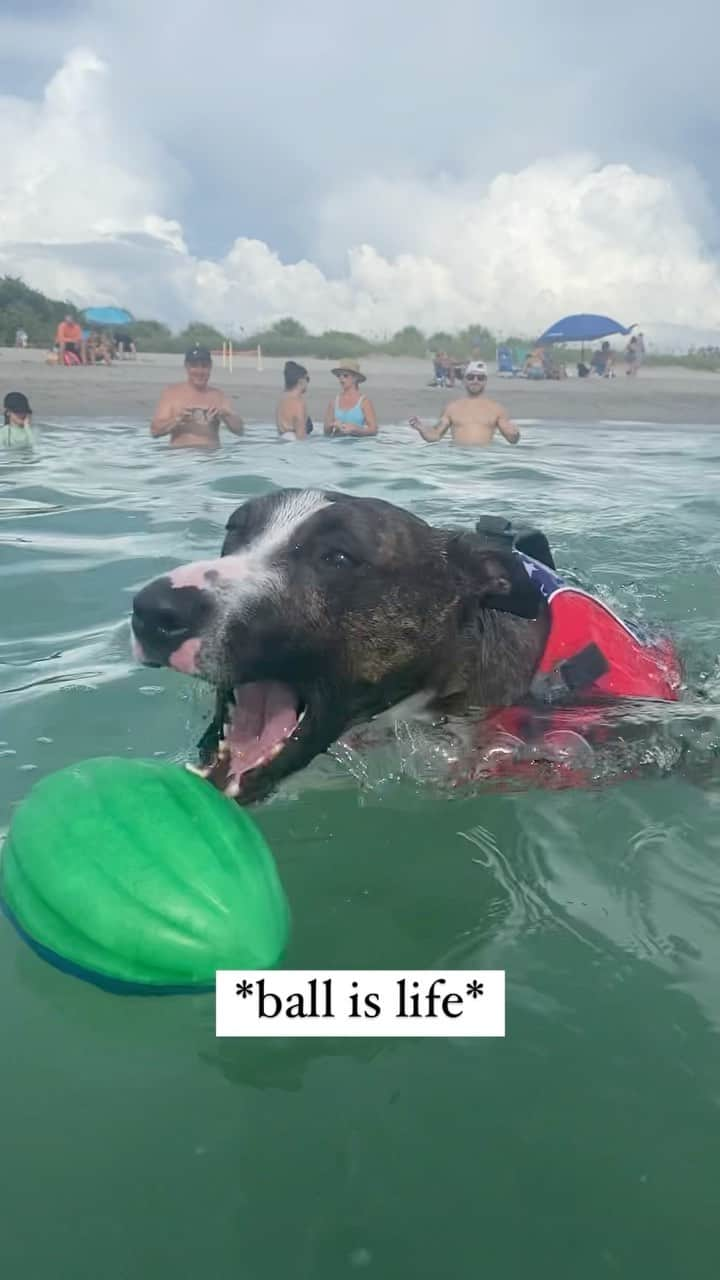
x: 571, y: 676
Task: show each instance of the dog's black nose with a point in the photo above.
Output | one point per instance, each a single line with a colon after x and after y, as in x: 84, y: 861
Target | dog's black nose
x: 164, y: 617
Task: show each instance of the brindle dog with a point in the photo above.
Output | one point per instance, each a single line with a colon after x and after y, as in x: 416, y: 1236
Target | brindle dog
x: 324, y: 610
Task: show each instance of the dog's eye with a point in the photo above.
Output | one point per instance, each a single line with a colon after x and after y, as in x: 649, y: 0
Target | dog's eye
x: 338, y: 559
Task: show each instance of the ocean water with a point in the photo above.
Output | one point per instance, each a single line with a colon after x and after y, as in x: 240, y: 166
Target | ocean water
x: 584, y: 1144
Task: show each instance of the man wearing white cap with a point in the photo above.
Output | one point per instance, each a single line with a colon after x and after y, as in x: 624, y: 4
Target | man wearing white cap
x: 474, y: 419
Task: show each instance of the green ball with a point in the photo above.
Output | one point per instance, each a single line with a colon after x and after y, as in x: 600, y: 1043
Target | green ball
x: 138, y: 874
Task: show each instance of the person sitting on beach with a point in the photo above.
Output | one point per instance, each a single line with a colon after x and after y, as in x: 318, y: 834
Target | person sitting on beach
x: 443, y: 370
x: 472, y: 420
x: 602, y: 361
x: 350, y: 413
x: 292, y: 417
x: 125, y: 345
x: 536, y: 364
x: 17, y: 427
x: 191, y: 412
x: 99, y: 350
x: 70, y: 341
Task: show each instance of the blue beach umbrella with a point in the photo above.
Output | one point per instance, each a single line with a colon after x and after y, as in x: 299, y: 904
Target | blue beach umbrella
x: 582, y: 328
x: 107, y: 315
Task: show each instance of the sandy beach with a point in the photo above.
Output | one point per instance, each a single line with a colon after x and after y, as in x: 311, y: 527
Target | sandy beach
x: 397, y: 386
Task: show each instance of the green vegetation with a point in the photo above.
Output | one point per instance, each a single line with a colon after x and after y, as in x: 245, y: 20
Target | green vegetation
x: 288, y: 338
x: 25, y: 308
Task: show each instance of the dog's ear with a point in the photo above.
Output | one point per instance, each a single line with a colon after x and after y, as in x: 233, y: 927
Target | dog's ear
x: 492, y: 577
x: 234, y: 519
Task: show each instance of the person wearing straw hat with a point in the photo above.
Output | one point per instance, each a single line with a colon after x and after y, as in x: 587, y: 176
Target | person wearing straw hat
x: 351, y: 413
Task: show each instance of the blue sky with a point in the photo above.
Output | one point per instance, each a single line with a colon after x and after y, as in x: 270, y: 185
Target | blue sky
x: 306, y: 128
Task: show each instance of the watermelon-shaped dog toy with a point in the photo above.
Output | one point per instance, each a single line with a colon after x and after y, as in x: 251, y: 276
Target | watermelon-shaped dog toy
x: 138, y: 876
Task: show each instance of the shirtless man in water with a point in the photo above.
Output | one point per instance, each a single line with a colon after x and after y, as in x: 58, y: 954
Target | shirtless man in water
x: 472, y: 420
x: 191, y: 412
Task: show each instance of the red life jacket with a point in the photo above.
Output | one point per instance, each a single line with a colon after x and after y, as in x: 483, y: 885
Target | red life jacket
x: 590, y: 655
x: 621, y: 664
x: 590, y: 651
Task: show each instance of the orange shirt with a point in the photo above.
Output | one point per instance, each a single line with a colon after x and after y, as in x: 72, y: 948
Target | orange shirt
x: 69, y: 332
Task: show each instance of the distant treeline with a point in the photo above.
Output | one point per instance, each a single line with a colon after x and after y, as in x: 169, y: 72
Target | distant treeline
x: 25, y: 308
x: 28, y: 309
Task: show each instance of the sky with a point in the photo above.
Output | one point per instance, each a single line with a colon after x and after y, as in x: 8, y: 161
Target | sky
x: 365, y: 169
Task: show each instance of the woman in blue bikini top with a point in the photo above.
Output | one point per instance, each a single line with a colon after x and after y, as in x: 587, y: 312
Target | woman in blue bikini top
x: 350, y: 413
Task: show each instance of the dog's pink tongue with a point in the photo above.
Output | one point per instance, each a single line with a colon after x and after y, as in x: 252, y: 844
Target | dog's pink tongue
x: 264, y: 715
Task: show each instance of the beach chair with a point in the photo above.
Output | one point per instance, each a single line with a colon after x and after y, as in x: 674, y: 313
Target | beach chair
x: 507, y: 363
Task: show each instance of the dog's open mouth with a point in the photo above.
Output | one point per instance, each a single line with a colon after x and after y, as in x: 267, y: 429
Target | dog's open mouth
x: 254, y: 724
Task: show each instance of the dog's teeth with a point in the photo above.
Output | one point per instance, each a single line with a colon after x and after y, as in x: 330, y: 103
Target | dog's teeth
x: 232, y: 789
x: 201, y: 772
x: 275, y: 751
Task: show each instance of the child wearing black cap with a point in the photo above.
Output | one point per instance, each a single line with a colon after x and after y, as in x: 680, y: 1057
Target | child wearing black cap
x: 17, y: 419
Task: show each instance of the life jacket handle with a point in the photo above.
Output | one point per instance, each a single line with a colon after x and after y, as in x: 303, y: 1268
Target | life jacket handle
x: 532, y: 542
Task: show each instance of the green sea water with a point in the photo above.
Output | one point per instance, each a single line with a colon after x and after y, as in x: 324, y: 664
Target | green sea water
x: 586, y: 1144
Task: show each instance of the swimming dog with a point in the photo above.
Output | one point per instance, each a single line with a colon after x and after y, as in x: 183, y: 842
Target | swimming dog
x: 324, y: 610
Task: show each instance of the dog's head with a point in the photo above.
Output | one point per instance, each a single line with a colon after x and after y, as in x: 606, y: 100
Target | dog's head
x: 322, y: 610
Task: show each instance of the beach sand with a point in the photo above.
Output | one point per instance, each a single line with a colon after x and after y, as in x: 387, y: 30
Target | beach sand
x: 397, y: 386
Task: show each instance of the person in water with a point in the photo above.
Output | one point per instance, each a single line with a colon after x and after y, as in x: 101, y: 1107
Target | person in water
x: 350, y: 413
x: 474, y: 419
x: 17, y: 426
x: 292, y: 417
x: 192, y: 412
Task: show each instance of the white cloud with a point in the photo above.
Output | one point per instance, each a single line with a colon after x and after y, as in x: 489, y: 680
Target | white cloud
x: 66, y: 177
x: 86, y: 213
